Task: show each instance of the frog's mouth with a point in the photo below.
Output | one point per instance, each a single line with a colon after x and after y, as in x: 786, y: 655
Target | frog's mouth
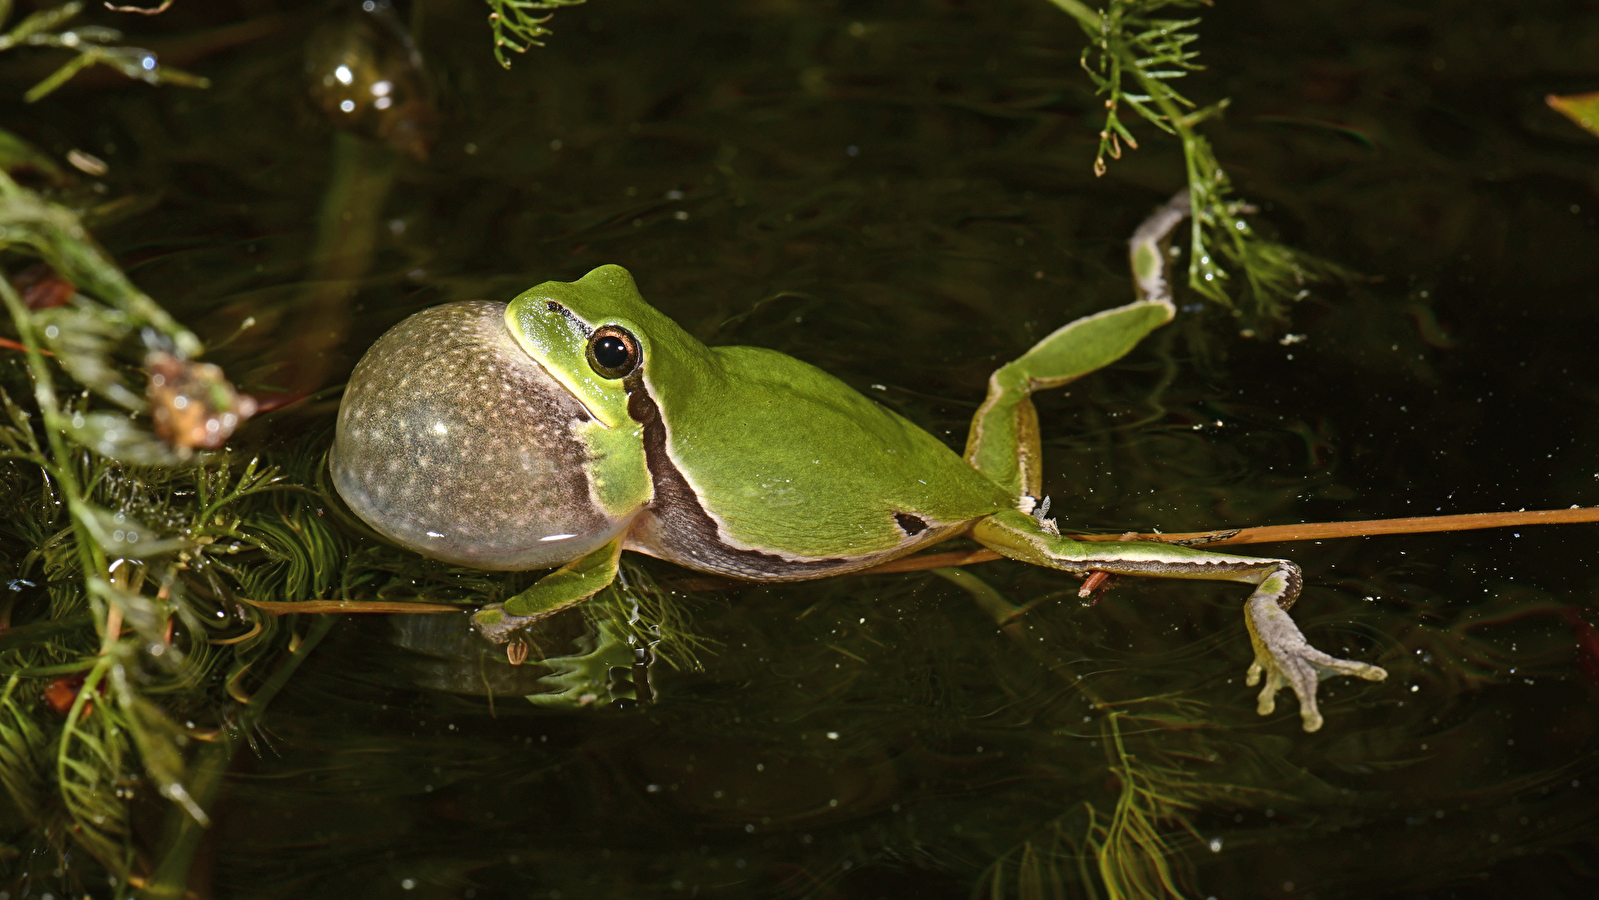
x: 553, y: 338
x: 591, y: 417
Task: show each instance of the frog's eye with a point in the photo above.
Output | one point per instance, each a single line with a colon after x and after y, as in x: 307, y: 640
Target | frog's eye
x: 613, y: 352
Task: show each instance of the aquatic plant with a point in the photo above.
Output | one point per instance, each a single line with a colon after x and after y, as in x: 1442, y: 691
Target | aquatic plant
x: 517, y: 24
x: 1130, y: 854
x: 91, y: 44
x: 1137, y: 851
x: 1133, y: 58
x: 153, y: 573
x: 88, y: 527
x: 212, y: 562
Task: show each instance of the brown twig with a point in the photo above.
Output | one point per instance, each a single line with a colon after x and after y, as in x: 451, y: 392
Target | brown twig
x: 9, y: 344
x: 285, y: 607
x: 1314, y: 531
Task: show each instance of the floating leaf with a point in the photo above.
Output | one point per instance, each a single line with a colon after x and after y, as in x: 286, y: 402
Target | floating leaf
x: 42, y: 288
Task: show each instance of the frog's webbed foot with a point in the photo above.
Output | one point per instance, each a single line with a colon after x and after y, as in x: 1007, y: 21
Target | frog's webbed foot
x: 1282, y: 654
x: 1286, y: 659
x: 587, y: 679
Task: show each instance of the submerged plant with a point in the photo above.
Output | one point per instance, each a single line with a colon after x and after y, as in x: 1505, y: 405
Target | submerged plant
x: 1131, y: 854
x: 517, y: 24
x: 156, y: 577
x: 126, y: 586
x: 1151, y: 746
x: 1134, y: 56
x: 1134, y: 856
x: 92, y: 44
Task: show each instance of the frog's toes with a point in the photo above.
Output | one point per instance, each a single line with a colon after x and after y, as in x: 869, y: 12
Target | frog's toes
x: 570, y: 684
x: 496, y: 625
x: 585, y: 679
x: 1286, y: 659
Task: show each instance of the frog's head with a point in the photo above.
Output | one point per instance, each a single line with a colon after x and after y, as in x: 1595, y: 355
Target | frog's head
x: 592, y: 335
x: 457, y: 440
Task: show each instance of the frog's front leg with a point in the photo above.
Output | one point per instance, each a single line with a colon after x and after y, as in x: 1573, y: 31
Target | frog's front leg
x: 567, y: 586
x: 1282, y: 654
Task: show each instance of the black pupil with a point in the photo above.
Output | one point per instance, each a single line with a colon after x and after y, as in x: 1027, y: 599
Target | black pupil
x: 610, y: 352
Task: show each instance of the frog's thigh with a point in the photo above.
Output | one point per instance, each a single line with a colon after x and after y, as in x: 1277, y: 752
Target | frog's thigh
x: 567, y: 586
x: 1281, y: 652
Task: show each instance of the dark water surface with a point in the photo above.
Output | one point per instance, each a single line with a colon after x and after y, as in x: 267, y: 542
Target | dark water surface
x: 901, y: 193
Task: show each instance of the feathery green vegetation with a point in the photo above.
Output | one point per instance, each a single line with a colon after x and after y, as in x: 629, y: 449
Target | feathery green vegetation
x: 91, y: 44
x: 517, y: 24
x: 1134, y: 57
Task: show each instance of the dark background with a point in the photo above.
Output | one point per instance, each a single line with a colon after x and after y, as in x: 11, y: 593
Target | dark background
x: 902, y: 193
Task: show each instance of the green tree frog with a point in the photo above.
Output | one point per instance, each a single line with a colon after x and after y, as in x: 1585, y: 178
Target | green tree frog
x: 578, y: 421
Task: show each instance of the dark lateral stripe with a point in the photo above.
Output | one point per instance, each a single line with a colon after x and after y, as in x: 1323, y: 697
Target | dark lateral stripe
x: 694, y: 540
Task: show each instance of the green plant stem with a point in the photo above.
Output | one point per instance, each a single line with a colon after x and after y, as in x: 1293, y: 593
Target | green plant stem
x: 88, y: 692
x: 90, y: 556
x: 346, y: 237
x: 1090, y: 20
x: 43, y: 20
x: 39, y: 632
x: 49, y: 671
x: 1179, y: 124
x: 1132, y: 857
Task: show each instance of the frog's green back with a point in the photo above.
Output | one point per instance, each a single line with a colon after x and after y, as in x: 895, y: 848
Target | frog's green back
x: 759, y: 465
x: 791, y: 460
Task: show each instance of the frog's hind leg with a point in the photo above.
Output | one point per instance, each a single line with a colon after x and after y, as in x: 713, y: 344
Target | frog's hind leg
x: 1282, y: 654
x: 1003, y: 443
